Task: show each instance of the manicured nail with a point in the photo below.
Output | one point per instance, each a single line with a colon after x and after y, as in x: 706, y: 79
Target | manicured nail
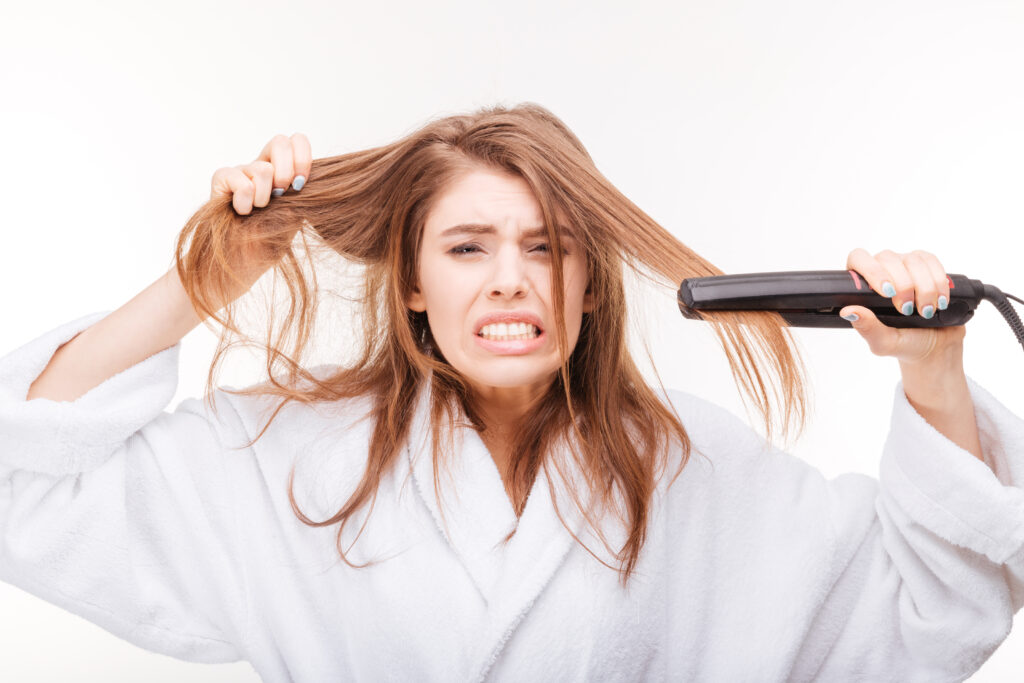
x: 908, y: 308
x: 928, y: 311
x: 888, y: 289
x: 298, y: 182
x: 852, y: 317
x: 277, y: 191
x: 943, y: 303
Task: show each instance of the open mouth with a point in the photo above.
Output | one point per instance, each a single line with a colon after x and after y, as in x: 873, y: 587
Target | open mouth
x: 509, y: 331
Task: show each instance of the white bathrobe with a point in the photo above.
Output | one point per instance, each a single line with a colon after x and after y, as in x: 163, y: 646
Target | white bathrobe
x: 755, y: 568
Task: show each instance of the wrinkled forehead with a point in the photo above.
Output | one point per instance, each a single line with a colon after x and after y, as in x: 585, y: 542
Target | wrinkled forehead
x: 487, y: 198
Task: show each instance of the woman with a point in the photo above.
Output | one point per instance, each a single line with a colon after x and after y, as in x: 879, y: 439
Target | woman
x: 494, y: 451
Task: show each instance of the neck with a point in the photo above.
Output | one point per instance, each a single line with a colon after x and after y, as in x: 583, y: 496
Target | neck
x: 502, y: 409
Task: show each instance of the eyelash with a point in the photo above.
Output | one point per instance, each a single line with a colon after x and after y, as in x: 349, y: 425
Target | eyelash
x: 457, y: 250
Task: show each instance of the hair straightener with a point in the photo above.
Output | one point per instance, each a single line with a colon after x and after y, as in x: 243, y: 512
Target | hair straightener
x: 813, y: 298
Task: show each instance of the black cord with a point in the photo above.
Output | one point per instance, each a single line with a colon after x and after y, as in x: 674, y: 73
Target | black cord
x: 998, y: 300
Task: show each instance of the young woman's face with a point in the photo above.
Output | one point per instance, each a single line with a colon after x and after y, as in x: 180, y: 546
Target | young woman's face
x: 485, y: 274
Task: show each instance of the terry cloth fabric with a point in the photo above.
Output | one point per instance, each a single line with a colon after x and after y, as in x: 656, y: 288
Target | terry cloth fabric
x: 160, y: 528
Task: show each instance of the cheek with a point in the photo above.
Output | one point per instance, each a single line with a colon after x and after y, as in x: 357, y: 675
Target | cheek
x: 434, y: 284
x: 575, y: 285
x: 446, y: 299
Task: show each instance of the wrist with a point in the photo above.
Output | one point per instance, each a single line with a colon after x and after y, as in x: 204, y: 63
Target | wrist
x: 937, y: 384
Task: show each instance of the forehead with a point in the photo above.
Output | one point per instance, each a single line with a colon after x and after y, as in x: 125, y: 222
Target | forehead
x: 487, y: 197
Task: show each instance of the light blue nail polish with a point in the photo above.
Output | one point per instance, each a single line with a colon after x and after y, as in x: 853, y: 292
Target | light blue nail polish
x: 928, y: 311
x: 908, y: 308
x: 943, y: 303
x: 298, y: 182
x: 277, y: 191
x: 852, y: 317
x: 888, y: 289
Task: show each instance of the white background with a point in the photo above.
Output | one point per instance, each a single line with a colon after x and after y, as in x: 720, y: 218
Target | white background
x: 765, y: 135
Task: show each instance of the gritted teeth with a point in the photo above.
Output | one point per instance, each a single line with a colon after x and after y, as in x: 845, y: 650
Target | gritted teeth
x: 509, y: 330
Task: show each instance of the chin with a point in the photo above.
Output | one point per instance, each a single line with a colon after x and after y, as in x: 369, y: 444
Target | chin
x: 509, y: 378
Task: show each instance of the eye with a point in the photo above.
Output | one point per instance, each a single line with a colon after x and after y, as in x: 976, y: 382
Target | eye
x: 546, y: 247
x: 463, y: 249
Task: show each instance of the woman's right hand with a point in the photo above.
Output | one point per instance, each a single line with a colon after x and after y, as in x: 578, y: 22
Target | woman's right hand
x: 284, y: 161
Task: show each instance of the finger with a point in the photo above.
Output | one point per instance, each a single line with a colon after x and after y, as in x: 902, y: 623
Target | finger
x: 881, y: 339
x: 940, y: 277
x: 901, y: 279
x: 302, y: 155
x: 925, y: 289
x: 262, y: 175
x: 232, y: 182
x: 279, y: 153
x: 219, y: 185
x: 873, y: 271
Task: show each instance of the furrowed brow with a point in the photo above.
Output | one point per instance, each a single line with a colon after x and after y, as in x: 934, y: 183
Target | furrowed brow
x: 487, y: 229
x: 543, y: 232
x: 469, y: 229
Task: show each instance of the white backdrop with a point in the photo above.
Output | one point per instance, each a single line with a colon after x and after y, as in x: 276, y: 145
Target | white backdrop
x: 767, y: 136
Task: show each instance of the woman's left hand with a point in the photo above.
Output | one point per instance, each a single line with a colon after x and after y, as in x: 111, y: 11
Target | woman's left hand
x: 919, y: 286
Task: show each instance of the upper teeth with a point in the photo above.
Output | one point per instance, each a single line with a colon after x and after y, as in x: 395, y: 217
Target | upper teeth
x: 509, y: 330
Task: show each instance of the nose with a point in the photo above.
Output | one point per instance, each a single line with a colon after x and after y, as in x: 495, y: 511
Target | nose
x: 508, y: 279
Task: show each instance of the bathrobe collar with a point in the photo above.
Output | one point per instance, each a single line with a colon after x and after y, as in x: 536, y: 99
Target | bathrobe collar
x: 479, y: 515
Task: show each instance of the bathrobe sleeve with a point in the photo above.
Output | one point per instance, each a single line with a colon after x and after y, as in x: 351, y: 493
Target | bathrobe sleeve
x: 119, y: 512
x: 914, y: 576
x: 931, y: 588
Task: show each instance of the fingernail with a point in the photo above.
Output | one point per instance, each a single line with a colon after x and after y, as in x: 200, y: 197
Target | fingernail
x: 298, y: 182
x: 943, y: 303
x: 928, y: 311
x: 888, y: 289
x: 908, y: 308
x: 852, y: 317
x: 277, y: 191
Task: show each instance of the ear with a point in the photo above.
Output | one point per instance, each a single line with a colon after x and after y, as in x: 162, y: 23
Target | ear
x: 588, y: 300
x: 415, y: 301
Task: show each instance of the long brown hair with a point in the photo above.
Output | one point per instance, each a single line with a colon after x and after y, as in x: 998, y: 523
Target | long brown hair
x: 370, y: 206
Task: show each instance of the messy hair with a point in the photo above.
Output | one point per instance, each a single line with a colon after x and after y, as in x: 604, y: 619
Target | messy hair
x: 370, y: 206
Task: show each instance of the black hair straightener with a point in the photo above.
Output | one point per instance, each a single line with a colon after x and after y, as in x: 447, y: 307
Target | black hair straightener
x: 813, y: 298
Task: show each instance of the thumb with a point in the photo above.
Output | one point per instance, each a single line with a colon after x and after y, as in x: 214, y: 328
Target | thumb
x: 860, y: 318
x: 878, y: 335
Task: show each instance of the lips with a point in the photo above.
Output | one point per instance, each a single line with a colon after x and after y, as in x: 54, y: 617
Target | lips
x: 508, y: 317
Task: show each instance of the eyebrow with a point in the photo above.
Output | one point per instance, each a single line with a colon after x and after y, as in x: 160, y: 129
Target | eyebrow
x: 487, y: 229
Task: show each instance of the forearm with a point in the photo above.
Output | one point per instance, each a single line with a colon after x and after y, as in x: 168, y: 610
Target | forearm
x: 156, y: 319
x: 938, y: 392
